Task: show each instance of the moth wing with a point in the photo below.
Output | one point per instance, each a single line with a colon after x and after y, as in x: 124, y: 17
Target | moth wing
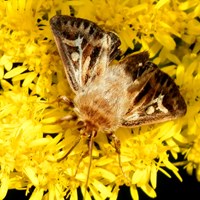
x: 86, y: 50
x: 154, y: 95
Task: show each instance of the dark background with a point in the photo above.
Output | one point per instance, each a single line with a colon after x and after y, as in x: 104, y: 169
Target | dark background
x: 167, y: 188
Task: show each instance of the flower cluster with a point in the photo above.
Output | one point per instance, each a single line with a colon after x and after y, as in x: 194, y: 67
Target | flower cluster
x: 32, y: 77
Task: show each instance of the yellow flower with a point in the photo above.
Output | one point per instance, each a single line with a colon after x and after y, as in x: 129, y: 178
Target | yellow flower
x: 190, y: 67
x: 32, y: 77
x: 155, y: 25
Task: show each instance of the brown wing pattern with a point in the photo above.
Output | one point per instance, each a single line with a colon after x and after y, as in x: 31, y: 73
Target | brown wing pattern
x: 85, y: 48
x: 154, y: 95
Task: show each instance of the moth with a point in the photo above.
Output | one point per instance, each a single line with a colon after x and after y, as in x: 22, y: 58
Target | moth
x: 109, y: 94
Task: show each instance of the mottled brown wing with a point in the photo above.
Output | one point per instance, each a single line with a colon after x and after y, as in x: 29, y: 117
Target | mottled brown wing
x: 154, y: 95
x: 86, y: 50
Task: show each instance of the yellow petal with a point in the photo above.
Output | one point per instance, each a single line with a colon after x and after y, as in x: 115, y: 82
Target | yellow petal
x: 14, y: 72
x: 149, y: 190
x: 37, y: 194
x: 29, y: 78
x: 4, y: 186
x: 134, y: 192
x: 30, y: 172
x: 166, y: 40
x: 153, y: 177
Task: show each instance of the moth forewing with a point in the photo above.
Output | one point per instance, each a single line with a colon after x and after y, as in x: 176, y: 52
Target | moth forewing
x: 107, y: 96
x: 85, y: 49
x: 64, y: 54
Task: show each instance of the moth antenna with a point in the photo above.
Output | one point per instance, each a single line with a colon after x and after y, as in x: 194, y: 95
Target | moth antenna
x: 83, y: 155
x: 90, y: 146
x: 71, y: 149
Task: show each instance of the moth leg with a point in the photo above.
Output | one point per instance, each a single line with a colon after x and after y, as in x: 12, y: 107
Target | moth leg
x: 117, y: 145
x: 69, y: 103
x: 113, y: 138
x: 66, y: 100
x: 66, y: 118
